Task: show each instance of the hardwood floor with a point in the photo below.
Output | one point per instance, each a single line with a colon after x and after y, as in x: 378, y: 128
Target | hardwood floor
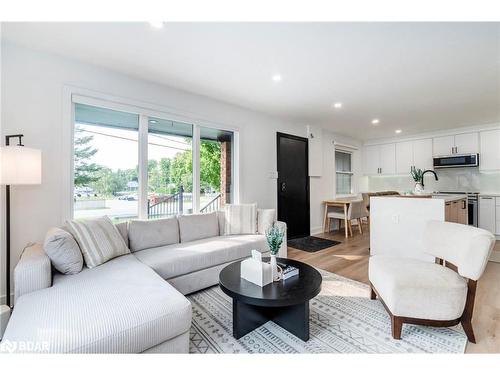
x: 350, y: 259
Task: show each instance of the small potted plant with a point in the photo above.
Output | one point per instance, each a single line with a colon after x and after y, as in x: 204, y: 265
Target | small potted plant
x: 417, y: 175
x: 274, y: 237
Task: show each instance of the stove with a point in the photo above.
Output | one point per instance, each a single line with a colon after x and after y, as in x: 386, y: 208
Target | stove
x: 472, y: 204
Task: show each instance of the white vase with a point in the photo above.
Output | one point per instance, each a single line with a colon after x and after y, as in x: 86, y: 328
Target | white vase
x: 274, y: 266
x: 419, y: 189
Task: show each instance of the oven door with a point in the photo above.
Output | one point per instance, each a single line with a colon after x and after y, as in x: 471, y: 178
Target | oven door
x: 473, y: 211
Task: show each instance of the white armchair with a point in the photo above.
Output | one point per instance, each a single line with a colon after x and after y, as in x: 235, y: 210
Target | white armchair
x: 438, y: 294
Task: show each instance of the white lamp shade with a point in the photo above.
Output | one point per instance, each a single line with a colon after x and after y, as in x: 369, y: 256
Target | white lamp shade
x: 20, y: 165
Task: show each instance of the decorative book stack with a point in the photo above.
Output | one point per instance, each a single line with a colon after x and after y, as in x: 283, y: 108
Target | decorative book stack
x: 288, y: 271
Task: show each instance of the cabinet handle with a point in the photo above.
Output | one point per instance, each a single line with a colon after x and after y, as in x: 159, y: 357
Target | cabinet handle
x: 463, y: 205
x: 380, y: 170
x: 486, y: 197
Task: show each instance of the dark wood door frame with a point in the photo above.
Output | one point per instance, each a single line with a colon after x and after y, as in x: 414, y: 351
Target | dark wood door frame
x: 280, y: 135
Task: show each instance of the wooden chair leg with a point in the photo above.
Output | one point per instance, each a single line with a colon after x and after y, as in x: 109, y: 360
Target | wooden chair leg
x: 360, y: 226
x: 397, y: 327
x: 349, y: 224
x: 373, y: 295
x: 467, y: 326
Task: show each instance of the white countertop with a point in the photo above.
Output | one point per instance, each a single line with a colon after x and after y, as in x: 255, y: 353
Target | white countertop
x: 449, y: 197
x: 445, y: 197
x: 488, y: 194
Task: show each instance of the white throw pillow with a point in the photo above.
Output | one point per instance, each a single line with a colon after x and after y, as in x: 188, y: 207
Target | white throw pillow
x: 146, y: 234
x: 63, y: 251
x: 198, y: 226
x: 265, y: 219
x: 240, y: 219
x: 99, y: 240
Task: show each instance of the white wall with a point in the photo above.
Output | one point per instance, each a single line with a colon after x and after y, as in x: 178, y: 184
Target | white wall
x: 323, y: 188
x: 32, y: 103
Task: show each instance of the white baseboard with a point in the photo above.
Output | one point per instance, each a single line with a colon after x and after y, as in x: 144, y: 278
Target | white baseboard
x: 316, y: 230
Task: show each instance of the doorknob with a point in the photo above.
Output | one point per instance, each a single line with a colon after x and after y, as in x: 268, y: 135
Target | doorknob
x: 283, y: 187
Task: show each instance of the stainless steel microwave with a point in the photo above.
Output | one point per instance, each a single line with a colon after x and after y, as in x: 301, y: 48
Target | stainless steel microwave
x: 457, y: 161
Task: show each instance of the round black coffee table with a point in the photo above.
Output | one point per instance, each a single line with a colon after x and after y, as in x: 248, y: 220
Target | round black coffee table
x: 284, y: 302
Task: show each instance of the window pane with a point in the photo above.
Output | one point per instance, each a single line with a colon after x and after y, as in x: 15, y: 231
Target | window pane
x: 343, y: 183
x: 342, y: 161
x: 216, y: 150
x: 105, y: 163
x: 170, y: 168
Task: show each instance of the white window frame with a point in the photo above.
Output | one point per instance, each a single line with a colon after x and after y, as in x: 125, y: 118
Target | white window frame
x: 347, y: 150
x: 73, y: 95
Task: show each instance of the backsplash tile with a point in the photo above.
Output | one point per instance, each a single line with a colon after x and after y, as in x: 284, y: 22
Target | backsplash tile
x: 457, y: 179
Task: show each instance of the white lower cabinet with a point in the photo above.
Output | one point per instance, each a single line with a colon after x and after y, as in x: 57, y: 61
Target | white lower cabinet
x: 487, y: 213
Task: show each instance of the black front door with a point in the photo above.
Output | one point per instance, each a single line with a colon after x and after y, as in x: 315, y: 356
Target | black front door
x: 293, y: 184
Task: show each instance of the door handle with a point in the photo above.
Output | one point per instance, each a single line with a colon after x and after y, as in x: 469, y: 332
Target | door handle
x: 283, y: 187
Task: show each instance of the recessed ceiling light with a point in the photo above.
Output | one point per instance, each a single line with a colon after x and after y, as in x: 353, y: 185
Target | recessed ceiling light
x: 398, y: 131
x: 156, y: 24
x: 375, y: 121
x: 337, y: 105
x: 276, y: 77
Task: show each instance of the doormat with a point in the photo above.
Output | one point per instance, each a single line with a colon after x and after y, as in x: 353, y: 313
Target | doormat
x: 311, y: 244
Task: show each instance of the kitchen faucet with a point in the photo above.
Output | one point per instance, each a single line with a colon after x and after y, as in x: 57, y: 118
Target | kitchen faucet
x: 431, y: 171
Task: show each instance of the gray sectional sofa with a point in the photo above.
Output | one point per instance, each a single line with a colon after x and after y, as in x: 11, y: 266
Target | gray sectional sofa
x: 134, y: 303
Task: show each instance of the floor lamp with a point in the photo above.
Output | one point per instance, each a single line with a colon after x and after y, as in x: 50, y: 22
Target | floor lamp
x: 19, y: 165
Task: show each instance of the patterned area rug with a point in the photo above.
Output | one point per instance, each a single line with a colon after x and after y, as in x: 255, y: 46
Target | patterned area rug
x: 343, y: 319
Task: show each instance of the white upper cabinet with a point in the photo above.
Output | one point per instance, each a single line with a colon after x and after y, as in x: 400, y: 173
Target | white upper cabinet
x: 371, y: 160
x: 489, y: 158
x: 388, y: 158
x: 404, y: 157
x: 422, y: 154
x: 315, y: 136
x: 466, y: 143
x: 379, y: 159
x: 443, y: 145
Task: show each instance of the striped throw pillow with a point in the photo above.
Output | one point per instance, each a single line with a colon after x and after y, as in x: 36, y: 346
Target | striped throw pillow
x: 98, y: 239
x: 240, y: 219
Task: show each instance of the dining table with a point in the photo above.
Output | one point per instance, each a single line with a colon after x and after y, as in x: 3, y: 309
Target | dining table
x: 342, y: 203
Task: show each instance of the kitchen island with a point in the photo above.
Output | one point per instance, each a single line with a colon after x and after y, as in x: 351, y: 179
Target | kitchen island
x: 455, y: 206
x: 397, y: 223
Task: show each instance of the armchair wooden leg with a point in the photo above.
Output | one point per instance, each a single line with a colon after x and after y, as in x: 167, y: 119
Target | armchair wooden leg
x: 373, y: 295
x: 467, y: 326
x: 397, y: 327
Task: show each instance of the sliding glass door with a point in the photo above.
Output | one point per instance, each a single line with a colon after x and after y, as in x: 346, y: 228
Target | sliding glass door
x: 131, y: 165
x: 105, y: 163
x: 170, y: 168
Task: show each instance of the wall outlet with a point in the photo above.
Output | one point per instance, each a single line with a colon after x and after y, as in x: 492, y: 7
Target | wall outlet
x: 395, y: 218
x: 273, y: 175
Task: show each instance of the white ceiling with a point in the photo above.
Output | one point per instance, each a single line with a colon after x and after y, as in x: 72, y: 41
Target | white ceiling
x: 412, y: 76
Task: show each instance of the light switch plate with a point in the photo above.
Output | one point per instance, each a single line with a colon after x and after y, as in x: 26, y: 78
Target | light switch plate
x: 395, y: 219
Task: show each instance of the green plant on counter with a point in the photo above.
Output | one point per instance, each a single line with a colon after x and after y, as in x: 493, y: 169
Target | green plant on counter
x: 417, y: 174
